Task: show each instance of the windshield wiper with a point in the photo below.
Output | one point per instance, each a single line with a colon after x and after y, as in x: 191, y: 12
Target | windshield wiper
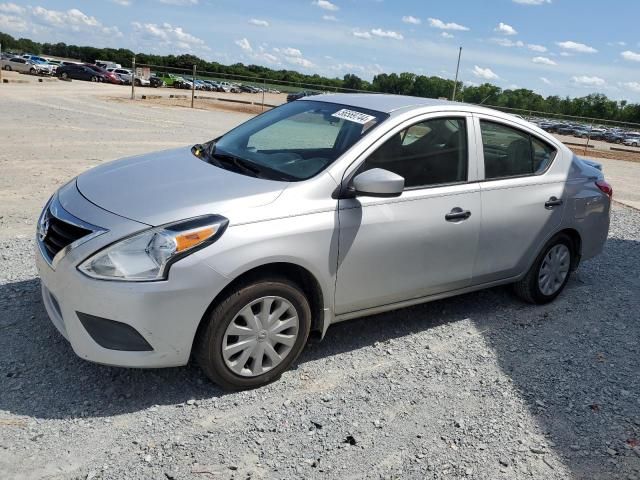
x: 252, y: 168
x: 240, y: 163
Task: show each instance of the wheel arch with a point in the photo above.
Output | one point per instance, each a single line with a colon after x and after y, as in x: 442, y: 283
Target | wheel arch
x: 298, y: 274
x: 576, y: 239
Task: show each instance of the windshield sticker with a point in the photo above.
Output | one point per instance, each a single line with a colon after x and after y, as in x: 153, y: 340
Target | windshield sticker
x: 353, y: 116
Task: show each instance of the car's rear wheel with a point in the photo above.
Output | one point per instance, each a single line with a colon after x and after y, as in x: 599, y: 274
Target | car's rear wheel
x: 550, y: 272
x: 94, y: 79
x: 7, y: 68
x: 253, y: 335
x: 64, y: 75
x: 32, y: 71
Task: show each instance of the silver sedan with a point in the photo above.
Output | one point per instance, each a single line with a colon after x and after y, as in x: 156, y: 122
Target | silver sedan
x: 322, y: 210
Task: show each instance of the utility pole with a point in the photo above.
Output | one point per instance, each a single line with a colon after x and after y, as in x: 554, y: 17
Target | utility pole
x: 133, y: 78
x: 0, y: 66
x: 264, y: 87
x: 193, y: 85
x: 455, y: 84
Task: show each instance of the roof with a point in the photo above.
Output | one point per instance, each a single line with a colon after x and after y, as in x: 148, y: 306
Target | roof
x: 380, y: 102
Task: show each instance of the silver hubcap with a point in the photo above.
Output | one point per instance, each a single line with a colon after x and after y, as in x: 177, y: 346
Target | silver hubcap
x: 260, y: 336
x: 554, y: 269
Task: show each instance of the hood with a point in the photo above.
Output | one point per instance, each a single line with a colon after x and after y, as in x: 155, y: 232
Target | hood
x: 173, y: 185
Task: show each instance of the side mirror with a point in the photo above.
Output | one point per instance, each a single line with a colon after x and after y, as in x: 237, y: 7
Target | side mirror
x: 378, y: 182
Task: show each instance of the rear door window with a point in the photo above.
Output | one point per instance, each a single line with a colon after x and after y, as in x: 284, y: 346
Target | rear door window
x: 510, y: 152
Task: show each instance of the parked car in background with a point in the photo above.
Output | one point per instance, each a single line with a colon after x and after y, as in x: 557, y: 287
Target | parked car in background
x: 567, y: 129
x: 122, y: 72
x: 632, y: 140
x: 106, y: 64
x: 321, y: 210
x: 124, y: 79
x: 104, y: 76
x: 582, y: 132
x: 168, y: 78
x: 156, y: 82
x: 79, y: 72
x: 296, y: 96
x: 22, y: 65
x: 213, y: 85
x: 614, y: 136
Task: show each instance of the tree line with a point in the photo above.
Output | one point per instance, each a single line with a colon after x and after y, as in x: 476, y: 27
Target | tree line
x: 595, y: 105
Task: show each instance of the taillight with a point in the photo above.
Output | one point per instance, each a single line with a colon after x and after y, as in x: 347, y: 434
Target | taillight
x: 605, y: 187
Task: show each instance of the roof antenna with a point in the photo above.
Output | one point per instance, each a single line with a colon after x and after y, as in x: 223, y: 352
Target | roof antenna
x: 455, y: 84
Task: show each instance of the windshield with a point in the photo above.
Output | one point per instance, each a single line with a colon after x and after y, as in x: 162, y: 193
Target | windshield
x: 297, y: 140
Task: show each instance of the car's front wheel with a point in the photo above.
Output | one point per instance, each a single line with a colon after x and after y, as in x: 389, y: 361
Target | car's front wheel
x: 253, y: 335
x: 550, y: 272
x: 7, y: 68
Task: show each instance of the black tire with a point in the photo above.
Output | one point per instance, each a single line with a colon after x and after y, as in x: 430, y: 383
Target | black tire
x: 138, y: 82
x: 64, y: 75
x: 208, y: 344
x: 94, y: 79
x: 528, y: 288
x: 32, y: 71
x: 7, y: 68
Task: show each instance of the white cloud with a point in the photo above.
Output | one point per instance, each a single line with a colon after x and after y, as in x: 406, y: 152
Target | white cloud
x: 269, y: 58
x: 16, y: 18
x: 387, y: 34
x: 576, y: 47
x: 543, y: 61
x: 633, y: 86
x: 259, y: 23
x: 507, y: 42
x: 531, y: 2
x: 363, y: 35
x: 244, y: 44
x: 303, y: 62
x: 12, y: 23
x: 290, y: 52
x: 631, y: 56
x: 446, y: 35
x: 330, y: 18
x: 505, y: 29
x: 545, y: 80
x: 437, y: 23
x: 484, y: 73
x: 11, y: 8
x: 587, y: 81
x: 536, y: 48
x: 168, y: 35
x: 326, y: 5
x: 411, y: 20
x: 124, y: 3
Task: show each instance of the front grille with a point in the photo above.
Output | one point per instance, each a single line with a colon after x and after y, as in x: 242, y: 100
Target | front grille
x: 60, y: 234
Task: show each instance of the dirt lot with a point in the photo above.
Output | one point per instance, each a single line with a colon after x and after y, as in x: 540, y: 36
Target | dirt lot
x: 479, y: 387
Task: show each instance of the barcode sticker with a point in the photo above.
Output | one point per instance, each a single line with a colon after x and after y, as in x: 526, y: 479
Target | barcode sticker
x: 353, y: 116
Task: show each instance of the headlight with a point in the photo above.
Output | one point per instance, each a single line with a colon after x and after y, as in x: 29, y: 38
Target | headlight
x: 148, y: 255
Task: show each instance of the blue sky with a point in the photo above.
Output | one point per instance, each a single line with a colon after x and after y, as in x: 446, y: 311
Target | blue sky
x: 564, y: 47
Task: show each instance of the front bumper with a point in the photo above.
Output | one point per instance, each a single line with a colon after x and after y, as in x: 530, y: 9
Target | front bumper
x: 165, y: 313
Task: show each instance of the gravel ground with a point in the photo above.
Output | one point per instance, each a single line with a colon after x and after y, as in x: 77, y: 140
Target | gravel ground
x: 479, y: 387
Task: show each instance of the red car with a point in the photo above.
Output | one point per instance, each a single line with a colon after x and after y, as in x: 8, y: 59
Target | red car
x: 103, y: 75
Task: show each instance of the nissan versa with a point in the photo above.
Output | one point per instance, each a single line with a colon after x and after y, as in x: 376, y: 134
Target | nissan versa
x: 327, y: 208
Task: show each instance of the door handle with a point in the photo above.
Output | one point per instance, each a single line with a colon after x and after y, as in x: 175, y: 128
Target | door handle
x: 457, y: 215
x: 552, y: 202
